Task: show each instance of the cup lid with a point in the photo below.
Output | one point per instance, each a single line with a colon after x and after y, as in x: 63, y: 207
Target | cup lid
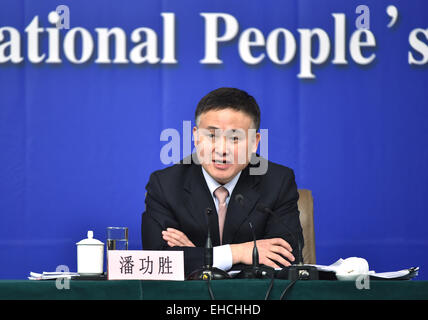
x: 90, y: 240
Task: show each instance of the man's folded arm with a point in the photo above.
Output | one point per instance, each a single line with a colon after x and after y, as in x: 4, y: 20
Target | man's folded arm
x: 285, y: 222
x: 158, y: 217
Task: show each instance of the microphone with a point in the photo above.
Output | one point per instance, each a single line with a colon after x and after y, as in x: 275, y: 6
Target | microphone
x: 267, y: 210
x: 208, y: 272
x: 208, y: 251
x: 255, y: 271
x: 255, y: 251
x: 297, y: 271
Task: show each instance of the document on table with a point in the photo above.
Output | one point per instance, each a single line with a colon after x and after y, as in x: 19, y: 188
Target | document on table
x: 405, y: 274
x: 51, y: 275
x: 393, y: 275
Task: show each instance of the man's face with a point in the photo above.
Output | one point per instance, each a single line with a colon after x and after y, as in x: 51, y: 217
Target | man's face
x: 225, y: 140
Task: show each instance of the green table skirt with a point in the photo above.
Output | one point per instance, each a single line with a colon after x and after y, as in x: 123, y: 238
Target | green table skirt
x: 221, y: 289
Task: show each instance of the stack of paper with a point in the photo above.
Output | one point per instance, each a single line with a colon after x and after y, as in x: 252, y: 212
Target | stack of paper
x: 394, y: 275
x: 405, y: 274
x: 52, y: 275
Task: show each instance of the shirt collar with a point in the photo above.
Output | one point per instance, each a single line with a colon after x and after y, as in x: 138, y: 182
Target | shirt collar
x: 213, y: 184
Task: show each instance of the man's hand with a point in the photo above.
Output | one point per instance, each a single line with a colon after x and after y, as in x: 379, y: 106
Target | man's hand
x: 176, y: 238
x: 270, y: 252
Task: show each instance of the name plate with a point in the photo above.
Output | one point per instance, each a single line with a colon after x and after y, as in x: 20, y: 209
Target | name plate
x: 145, y: 265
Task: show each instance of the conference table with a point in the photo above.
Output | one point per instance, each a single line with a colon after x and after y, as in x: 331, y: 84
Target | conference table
x: 235, y: 289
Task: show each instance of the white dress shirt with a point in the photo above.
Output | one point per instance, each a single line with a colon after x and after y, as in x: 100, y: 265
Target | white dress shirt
x: 222, y: 254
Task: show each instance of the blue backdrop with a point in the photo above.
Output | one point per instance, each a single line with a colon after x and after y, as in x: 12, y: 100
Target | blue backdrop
x: 79, y: 141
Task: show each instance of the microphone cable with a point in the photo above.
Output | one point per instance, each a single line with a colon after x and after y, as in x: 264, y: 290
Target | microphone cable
x: 290, y: 285
x: 210, y: 291
x: 270, y: 286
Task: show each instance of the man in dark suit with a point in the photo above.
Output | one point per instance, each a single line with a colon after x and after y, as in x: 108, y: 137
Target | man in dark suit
x: 220, y: 176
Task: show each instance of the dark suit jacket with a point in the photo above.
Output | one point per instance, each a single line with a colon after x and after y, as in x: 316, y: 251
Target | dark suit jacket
x: 178, y: 196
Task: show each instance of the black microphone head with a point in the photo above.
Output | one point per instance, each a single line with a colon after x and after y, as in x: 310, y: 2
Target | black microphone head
x: 240, y: 198
x: 208, y: 211
x: 262, y: 208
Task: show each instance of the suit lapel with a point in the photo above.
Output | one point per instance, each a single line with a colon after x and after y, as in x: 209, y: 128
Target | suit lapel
x: 198, y: 199
x: 247, y: 186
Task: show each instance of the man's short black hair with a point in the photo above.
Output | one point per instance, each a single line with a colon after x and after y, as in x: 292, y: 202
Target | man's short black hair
x: 224, y: 98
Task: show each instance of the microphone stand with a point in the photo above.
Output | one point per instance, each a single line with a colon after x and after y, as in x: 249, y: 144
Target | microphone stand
x: 297, y: 271
x: 255, y: 271
x: 208, y: 272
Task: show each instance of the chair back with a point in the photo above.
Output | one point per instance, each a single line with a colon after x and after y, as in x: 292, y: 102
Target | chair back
x: 306, y: 208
